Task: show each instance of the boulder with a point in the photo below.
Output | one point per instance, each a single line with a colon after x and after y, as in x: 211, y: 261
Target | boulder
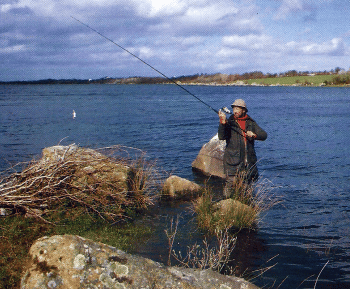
x: 180, y: 188
x: 69, y: 262
x: 60, y: 153
x: 233, y: 213
x: 71, y: 176
x: 209, y: 160
x: 224, y: 206
x: 91, y: 166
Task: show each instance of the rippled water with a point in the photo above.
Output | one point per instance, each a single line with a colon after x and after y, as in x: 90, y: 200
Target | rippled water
x: 306, y: 157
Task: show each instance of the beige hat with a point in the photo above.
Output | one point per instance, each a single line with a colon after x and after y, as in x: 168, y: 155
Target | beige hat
x: 240, y: 103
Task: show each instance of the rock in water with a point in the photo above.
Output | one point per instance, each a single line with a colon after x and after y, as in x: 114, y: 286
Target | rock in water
x: 70, y: 262
x: 180, y: 188
x: 209, y: 160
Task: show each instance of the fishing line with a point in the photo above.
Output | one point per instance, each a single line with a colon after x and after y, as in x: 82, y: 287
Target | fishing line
x: 190, y: 93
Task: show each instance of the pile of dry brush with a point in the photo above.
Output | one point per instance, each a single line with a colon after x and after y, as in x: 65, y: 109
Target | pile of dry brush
x: 71, y: 179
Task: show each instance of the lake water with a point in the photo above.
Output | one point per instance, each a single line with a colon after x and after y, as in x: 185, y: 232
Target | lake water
x: 306, y: 157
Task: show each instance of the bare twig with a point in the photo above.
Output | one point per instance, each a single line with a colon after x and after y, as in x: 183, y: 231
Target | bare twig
x: 205, y: 256
x: 171, y: 236
x: 319, y: 274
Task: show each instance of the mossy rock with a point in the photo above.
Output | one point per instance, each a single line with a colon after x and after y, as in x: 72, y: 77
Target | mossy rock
x: 232, y: 213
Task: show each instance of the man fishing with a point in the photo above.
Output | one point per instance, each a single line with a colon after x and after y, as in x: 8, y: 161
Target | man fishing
x: 240, y: 131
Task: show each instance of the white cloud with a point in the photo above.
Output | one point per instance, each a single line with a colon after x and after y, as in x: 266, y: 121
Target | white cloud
x: 12, y: 49
x: 160, y: 8
x: 267, y: 45
x: 334, y: 47
x: 287, y: 7
x: 249, y: 42
x: 145, y: 52
x: 204, y: 18
x: 230, y: 52
x: 209, y: 15
x: 192, y: 40
x: 185, y: 41
x: 225, y: 66
x: 291, y: 6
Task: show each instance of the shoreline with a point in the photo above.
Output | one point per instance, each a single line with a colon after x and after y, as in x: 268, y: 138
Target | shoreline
x: 295, y: 80
x: 185, y: 84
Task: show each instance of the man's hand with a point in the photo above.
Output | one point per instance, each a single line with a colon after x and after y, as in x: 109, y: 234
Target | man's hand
x: 251, y: 134
x: 222, y: 117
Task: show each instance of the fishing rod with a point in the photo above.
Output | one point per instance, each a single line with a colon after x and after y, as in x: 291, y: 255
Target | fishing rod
x: 144, y: 62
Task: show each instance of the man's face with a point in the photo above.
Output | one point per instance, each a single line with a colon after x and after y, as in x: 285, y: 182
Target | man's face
x: 238, y: 111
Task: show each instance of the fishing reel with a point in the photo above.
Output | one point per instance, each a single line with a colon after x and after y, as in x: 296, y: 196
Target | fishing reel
x: 225, y: 109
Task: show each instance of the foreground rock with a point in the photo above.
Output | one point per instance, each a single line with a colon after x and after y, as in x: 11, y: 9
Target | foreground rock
x: 179, y: 188
x: 209, y: 158
x: 73, y: 262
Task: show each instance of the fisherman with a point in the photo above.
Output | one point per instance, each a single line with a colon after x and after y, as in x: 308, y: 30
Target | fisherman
x: 240, y: 131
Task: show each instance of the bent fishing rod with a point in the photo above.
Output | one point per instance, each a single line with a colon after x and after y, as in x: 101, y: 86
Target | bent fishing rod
x: 144, y: 62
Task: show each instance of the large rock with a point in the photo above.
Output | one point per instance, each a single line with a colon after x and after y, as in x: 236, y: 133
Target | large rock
x: 209, y: 160
x: 180, y: 188
x: 71, y: 262
x: 75, y: 177
x: 92, y: 167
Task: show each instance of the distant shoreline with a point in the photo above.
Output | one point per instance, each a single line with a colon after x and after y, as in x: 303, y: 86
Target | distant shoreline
x: 303, y: 80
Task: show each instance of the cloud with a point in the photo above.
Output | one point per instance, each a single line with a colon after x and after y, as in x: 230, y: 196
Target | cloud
x: 205, y: 18
x: 264, y: 44
x: 288, y: 7
x: 160, y: 8
x: 249, y: 42
x: 335, y: 47
x: 177, y: 36
x: 13, y: 49
x: 227, y: 52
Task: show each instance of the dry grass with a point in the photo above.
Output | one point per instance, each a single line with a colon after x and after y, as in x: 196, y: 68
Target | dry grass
x: 82, y: 180
x: 204, y: 256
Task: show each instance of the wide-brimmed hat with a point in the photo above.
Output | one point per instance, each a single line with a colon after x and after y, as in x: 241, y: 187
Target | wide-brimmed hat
x: 240, y: 103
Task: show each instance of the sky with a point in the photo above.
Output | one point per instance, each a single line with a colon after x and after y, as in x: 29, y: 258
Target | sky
x: 40, y: 39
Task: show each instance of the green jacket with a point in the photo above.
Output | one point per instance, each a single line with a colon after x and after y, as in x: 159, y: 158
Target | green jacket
x: 237, y: 154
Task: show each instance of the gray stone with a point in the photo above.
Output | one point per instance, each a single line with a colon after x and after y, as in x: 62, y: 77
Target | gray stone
x: 209, y: 160
x: 60, y: 153
x: 66, y: 261
x: 92, y: 166
x: 179, y: 188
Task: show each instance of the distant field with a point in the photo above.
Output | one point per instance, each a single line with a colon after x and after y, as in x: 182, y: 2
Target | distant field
x: 314, y: 80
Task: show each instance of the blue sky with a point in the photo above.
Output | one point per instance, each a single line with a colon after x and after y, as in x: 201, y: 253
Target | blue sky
x: 39, y: 39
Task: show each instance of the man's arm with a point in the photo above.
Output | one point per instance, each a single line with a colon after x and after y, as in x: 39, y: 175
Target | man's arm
x: 223, y: 131
x: 260, y: 134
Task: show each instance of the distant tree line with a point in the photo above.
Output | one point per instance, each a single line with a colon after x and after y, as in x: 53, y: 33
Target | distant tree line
x: 341, y: 77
